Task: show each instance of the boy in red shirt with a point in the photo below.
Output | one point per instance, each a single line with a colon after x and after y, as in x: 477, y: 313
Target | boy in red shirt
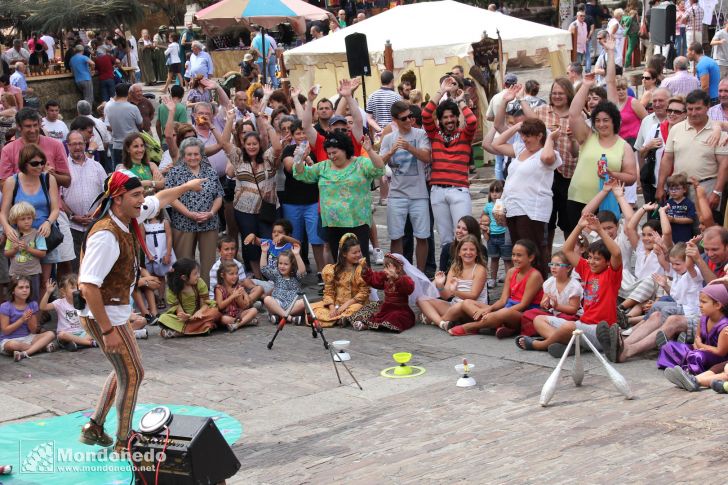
x: 601, y: 276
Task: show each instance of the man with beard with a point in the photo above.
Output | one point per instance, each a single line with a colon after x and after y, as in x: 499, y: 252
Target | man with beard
x: 451, y: 151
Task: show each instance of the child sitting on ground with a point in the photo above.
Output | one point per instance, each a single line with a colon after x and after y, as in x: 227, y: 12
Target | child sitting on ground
x: 232, y: 299
x: 681, y: 211
x: 499, y: 240
x: 345, y: 291
x: 25, y: 256
x: 190, y: 312
x: 286, y: 279
x: 394, y: 313
x: 228, y: 248
x: 683, y: 287
x: 601, y: 275
x: 523, y: 292
x: 19, y: 323
x: 561, y: 297
x: 280, y: 241
x: 465, y: 280
x: 682, y: 361
x: 71, y: 335
x: 643, y: 288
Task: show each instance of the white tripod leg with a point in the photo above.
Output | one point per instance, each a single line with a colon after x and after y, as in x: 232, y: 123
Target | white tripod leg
x: 617, y: 379
x: 549, y: 387
x: 578, y: 373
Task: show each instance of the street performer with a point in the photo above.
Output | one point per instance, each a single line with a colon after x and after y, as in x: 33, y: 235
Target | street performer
x: 108, y: 272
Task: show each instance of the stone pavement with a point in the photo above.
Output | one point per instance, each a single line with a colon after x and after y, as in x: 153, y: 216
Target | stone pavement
x: 300, y: 426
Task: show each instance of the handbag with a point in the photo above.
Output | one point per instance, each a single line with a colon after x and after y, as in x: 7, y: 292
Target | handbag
x: 55, y: 238
x: 268, y: 212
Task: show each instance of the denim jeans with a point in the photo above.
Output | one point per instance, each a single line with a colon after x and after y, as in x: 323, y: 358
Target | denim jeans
x: 108, y: 87
x: 270, y: 74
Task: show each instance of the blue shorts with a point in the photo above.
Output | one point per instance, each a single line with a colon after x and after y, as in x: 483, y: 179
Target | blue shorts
x: 499, y: 245
x: 304, y: 218
x: 510, y: 302
x: 419, y: 212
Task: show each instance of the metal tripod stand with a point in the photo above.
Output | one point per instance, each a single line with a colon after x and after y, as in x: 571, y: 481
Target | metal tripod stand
x: 316, y: 330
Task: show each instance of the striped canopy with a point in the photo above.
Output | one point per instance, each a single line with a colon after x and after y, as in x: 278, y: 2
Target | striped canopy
x: 266, y: 13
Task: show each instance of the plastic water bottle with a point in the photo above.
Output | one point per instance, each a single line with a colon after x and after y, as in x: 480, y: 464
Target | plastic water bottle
x: 602, y: 166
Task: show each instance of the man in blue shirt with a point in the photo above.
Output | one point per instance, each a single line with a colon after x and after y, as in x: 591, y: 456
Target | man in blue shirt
x: 707, y: 70
x: 17, y: 79
x: 270, y: 55
x: 200, y: 62
x: 81, y: 67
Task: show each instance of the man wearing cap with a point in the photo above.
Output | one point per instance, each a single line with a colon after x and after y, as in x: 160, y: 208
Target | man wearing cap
x: 108, y: 273
x: 493, y: 107
x: 81, y: 67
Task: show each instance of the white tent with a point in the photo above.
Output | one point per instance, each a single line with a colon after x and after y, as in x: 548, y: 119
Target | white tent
x: 424, y: 37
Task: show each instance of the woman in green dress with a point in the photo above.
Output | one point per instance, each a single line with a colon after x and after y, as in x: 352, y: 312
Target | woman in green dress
x: 190, y: 311
x: 344, y: 182
x: 631, y: 24
x: 136, y: 159
x: 146, y: 50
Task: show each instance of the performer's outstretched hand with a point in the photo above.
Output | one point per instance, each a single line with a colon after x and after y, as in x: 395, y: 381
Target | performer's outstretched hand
x: 195, y: 185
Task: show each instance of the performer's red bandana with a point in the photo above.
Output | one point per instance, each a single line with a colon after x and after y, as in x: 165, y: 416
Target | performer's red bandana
x: 116, y: 184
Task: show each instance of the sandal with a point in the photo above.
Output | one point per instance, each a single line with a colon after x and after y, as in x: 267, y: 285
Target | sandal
x: 445, y: 325
x: 424, y: 320
x: 524, y: 342
x: 52, y: 347
x: 504, y: 332
x: 18, y: 356
x: 168, y: 333
x: 460, y: 331
x: 358, y: 326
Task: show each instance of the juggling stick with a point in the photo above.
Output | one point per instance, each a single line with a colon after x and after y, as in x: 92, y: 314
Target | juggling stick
x: 549, y: 387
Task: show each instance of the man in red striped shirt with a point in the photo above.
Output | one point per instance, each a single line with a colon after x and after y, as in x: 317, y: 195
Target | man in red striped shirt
x: 451, y: 150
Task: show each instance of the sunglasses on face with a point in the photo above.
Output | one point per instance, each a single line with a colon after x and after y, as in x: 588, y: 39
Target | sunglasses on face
x: 339, y: 130
x: 647, y: 78
x: 675, y: 111
x: 37, y: 163
x: 405, y: 118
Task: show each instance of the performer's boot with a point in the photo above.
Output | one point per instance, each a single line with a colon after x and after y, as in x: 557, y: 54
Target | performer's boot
x: 93, y: 433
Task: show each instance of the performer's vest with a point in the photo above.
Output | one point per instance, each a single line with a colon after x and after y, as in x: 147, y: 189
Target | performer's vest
x: 116, y: 287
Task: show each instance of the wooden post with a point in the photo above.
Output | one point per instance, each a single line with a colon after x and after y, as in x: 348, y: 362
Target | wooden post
x: 388, y: 56
x: 573, y: 45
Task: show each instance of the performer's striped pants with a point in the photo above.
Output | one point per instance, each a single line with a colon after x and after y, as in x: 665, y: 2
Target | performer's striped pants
x: 124, y: 381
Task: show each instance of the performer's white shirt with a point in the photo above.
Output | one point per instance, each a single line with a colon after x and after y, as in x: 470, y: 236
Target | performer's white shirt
x: 102, y: 251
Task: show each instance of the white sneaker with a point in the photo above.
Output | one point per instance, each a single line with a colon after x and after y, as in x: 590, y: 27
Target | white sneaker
x: 141, y: 334
x: 378, y: 256
x: 371, y: 248
x: 491, y: 284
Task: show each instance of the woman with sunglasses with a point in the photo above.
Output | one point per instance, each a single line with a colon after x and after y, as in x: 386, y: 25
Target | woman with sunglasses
x: 26, y: 187
x: 650, y: 82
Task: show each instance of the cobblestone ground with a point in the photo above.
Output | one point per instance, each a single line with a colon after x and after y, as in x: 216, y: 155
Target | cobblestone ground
x: 301, y: 426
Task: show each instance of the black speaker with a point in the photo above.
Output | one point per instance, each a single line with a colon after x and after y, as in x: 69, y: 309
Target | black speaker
x: 357, y: 55
x: 196, y: 453
x: 662, y: 24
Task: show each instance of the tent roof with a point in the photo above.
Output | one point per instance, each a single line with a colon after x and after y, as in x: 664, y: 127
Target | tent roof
x: 432, y: 30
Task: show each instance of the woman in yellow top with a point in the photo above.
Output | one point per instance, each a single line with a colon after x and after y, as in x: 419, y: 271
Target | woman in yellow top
x: 345, y: 291
x: 601, y: 138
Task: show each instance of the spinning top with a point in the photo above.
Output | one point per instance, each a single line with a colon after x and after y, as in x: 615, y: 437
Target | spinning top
x: 402, y: 370
x: 465, y: 380
x: 341, y: 355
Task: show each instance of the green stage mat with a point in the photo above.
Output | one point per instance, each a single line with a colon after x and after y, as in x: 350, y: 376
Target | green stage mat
x: 47, y: 451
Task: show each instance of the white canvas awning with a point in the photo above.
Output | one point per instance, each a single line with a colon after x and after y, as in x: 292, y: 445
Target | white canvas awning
x: 431, y: 31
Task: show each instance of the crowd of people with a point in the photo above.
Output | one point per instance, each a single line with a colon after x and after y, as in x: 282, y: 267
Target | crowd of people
x: 283, y: 183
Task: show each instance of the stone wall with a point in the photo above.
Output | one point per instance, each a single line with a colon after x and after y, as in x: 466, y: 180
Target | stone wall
x: 61, y: 88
